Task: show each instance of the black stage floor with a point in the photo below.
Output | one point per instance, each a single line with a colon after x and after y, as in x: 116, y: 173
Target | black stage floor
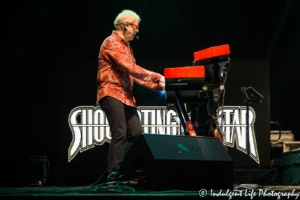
x: 104, y: 191
x: 279, y: 182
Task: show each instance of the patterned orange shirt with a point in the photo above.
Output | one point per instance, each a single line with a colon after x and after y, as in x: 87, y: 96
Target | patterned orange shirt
x: 117, y: 71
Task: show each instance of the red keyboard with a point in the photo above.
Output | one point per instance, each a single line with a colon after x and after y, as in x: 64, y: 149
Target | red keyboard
x: 185, y: 72
x: 211, y: 52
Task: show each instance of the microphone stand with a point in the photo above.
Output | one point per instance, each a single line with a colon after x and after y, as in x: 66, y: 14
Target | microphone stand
x: 251, y: 95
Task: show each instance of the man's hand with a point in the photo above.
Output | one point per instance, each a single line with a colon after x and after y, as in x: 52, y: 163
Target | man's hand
x: 162, y: 79
x: 162, y: 82
x: 162, y: 85
x: 157, y: 78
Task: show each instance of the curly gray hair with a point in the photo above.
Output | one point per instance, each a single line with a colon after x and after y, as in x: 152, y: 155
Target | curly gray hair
x: 126, y: 16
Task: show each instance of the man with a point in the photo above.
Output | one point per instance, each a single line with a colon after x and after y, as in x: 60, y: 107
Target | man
x: 116, y: 73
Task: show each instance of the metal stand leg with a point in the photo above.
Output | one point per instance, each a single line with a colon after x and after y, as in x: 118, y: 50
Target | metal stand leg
x: 247, y: 143
x: 184, y: 119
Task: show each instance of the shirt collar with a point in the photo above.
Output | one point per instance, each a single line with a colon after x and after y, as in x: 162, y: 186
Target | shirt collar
x: 115, y: 33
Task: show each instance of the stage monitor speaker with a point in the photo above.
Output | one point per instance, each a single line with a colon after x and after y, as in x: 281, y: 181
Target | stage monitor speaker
x: 166, y: 162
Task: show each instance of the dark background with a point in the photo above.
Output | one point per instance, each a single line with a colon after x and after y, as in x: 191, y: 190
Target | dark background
x: 42, y: 35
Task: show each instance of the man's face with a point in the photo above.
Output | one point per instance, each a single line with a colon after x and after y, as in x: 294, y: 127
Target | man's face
x: 132, y: 30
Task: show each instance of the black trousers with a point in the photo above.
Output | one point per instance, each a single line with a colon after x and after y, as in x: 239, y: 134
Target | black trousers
x: 125, y: 127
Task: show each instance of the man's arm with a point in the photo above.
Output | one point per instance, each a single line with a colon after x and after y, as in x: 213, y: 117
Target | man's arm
x: 115, y: 52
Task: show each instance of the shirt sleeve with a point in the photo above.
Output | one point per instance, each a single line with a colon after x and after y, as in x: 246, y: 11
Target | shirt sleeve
x: 115, y: 52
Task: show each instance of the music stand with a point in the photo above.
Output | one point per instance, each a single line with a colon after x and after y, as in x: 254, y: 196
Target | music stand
x: 251, y: 96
